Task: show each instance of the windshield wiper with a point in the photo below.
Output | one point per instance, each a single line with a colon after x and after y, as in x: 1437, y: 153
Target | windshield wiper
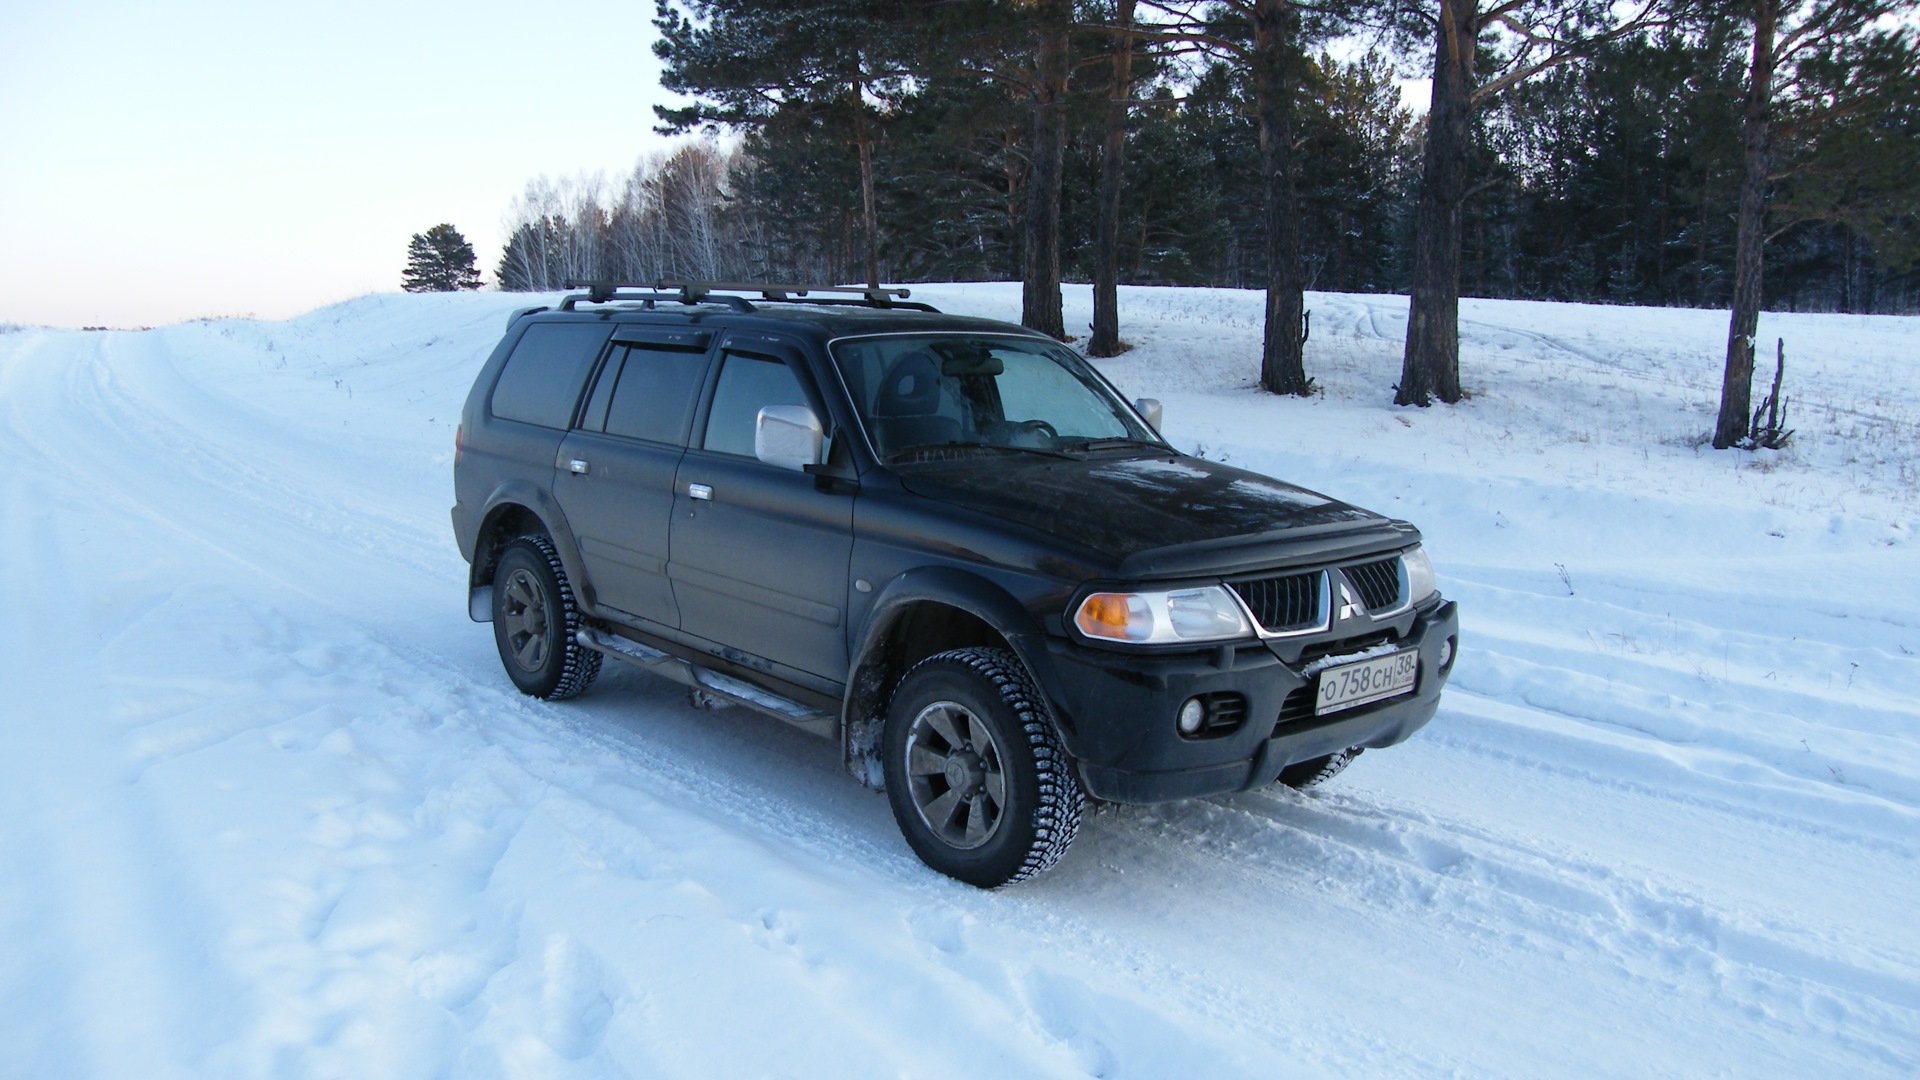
x: 1121, y: 442
x: 949, y: 449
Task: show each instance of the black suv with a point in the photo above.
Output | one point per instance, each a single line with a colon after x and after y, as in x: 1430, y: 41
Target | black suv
x: 947, y: 542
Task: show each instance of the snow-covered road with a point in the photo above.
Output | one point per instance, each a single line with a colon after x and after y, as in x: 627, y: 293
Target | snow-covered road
x: 268, y: 806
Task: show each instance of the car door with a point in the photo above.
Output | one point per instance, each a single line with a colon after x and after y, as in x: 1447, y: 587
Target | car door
x: 760, y: 552
x: 616, y: 471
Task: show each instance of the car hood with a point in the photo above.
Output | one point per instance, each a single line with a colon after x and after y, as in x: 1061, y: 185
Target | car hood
x: 1167, y: 515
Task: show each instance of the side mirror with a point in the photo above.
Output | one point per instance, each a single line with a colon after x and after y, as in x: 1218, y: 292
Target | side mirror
x: 1149, y: 410
x: 788, y: 436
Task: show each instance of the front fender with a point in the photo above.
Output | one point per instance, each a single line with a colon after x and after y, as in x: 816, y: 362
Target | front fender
x: 871, y: 678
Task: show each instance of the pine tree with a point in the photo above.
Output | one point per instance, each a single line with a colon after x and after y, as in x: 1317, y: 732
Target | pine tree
x: 1470, y: 69
x: 1264, y: 41
x: 1814, y: 65
x: 440, y: 260
x: 827, y: 63
x: 953, y: 181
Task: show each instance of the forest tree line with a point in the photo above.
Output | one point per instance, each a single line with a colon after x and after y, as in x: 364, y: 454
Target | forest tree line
x: 1577, y: 150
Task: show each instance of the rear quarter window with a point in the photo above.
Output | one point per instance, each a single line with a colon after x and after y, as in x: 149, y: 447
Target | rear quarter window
x: 541, y: 381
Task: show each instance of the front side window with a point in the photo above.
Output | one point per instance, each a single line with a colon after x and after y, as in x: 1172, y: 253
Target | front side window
x: 746, y: 385
x: 919, y: 394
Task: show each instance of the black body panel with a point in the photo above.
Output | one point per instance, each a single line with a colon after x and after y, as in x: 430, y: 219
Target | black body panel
x: 760, y: 567
x: 620, y: 509
x: 1128, y: 506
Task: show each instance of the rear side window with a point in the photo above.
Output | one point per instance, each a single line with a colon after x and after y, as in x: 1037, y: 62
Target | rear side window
x: 655, y: 393
x: 542, y: 379
x: 747, y: 383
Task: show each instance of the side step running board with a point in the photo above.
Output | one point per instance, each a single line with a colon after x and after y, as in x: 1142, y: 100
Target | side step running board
x: 724, y: 687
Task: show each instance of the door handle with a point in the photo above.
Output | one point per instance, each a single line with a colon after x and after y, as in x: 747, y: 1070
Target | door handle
x: 700, y: 491
x: 577, y: 467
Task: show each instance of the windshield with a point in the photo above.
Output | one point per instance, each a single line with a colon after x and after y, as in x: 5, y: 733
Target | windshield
x: 920, y: 394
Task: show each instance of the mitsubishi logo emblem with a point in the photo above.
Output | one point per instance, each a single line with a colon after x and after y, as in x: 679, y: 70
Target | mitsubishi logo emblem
x: 1350, y: 608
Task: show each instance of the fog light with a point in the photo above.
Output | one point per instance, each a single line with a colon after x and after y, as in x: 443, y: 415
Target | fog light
x: 1446, y: 652
x: 1193, y: 717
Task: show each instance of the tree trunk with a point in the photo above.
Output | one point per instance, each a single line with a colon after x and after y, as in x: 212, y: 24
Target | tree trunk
x: 1431, y: 365
x: 1846, y: 269
x: 869, y: 221
x: 1736, y: 386
x: 1106, y: 236
x: 1276, y: 27
x: 1868, y: 295
x: 1660, y: 245
x: 1040, y: 284
x: 1140, y: 249
x: 1009, y: 150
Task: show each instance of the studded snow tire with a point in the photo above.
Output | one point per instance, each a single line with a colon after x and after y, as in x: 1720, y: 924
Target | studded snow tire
x: 975, y: 774
x: 1313, y: 772
x: 536, y: 623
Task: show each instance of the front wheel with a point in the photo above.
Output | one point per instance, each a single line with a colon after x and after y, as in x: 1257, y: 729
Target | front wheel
x: 976, y: 777
x: 1302, y: 775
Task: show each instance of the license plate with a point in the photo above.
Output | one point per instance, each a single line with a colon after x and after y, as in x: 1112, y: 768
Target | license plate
x: 1367, y: 680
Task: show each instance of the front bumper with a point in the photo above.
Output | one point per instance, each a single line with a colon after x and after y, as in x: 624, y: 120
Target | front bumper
x: 1117, y: 712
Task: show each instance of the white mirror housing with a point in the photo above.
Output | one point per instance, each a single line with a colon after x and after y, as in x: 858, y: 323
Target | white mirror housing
x: 788, y: 436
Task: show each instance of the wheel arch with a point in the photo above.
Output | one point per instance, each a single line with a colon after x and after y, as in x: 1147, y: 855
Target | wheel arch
x: 918, y: 614
x: 515, y: 509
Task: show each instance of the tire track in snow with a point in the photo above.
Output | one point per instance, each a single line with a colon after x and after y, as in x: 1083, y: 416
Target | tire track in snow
x: 106, y: 916
x: 1401, y: 864
x: 1571, y: 898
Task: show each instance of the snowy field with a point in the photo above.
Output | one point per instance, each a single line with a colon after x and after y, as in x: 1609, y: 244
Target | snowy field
x: 268, y: 807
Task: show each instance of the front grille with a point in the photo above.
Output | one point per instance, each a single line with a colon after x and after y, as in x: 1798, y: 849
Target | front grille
x: 1291, y: 602
x: 1378, y: 582
x: 1298, y: 706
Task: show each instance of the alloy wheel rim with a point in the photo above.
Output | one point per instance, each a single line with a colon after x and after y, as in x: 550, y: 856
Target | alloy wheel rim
x: 955, y: 774
x: 525, y: 617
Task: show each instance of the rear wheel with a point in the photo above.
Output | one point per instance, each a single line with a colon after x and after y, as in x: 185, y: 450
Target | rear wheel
x: 975, y: 774
x: 536, y: 622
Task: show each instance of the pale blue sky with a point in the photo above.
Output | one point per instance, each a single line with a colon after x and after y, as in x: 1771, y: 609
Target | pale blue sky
x: 167, y: 162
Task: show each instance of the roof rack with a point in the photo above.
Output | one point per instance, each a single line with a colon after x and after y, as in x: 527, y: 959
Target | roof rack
x: 720, y: 292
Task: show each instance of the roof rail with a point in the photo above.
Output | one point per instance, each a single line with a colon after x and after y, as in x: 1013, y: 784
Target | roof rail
x: 721, y: 292
x: 603, y: 292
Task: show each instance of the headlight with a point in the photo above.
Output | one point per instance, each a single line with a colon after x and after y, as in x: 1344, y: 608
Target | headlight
x: 1160, y: 618
x: 1420, y: 583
